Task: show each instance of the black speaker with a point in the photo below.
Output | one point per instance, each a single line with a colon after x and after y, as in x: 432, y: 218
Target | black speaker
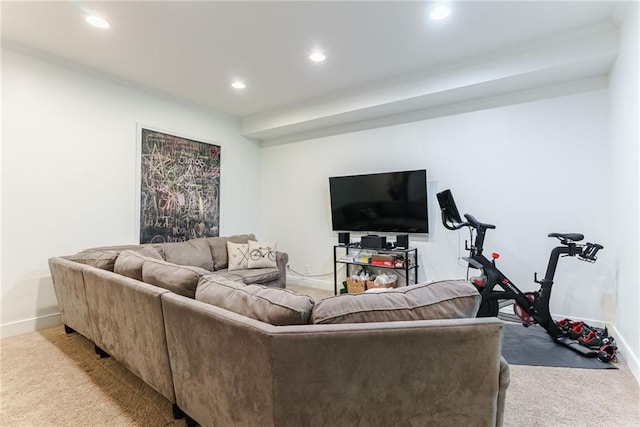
x: 344, y: 238
x: 402, y: 241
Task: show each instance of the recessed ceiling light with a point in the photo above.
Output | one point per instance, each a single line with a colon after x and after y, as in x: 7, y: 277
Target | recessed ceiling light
x: 317, y: 57
x: 96, y: 21
x: 238, y: 85
x: 439, y: 12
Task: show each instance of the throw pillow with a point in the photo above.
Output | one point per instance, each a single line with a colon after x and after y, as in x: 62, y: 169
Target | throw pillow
x: 262, y: 254
x: 180, y: 279
x: 447, y: 299
x: 275, y: 306
x: 129, y: 262
x: 238, y: 255
x: 101, y: 259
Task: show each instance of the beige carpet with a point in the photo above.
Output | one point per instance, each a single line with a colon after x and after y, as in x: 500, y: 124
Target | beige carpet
x: 48, y: 378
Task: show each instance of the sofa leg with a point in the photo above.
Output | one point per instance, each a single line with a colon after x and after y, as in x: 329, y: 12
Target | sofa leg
x: 177, y: 412
x: 100, y: 352
x: 68, y: 330
x: 190, y: 421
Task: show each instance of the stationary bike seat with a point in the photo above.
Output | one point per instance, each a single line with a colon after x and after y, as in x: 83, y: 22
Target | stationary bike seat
x: 574, y: 237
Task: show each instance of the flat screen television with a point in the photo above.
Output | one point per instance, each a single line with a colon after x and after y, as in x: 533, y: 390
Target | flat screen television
x: 382, y: 202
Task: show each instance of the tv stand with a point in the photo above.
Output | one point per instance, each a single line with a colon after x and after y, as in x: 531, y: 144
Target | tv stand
x: 346, y: 254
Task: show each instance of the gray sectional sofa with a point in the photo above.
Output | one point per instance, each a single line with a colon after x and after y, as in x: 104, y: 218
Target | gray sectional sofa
x: 230, y: 351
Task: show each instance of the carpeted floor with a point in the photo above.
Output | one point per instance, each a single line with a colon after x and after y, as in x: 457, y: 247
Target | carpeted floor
x: 48, y: 378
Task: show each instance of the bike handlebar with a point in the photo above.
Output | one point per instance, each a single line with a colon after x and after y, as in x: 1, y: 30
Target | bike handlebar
x: 589, y: 252
x: 477, y: 224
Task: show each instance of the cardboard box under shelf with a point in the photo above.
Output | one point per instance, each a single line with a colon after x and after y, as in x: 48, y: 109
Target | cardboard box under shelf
x: 356, y: 286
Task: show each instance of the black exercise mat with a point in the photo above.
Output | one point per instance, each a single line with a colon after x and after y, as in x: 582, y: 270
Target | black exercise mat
x: 533, y: 346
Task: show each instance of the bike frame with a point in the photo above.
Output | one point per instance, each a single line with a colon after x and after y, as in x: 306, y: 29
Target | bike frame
x: 538, y: 309
x: 497, y: 286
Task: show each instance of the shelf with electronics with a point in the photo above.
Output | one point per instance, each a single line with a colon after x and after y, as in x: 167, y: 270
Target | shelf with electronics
x: 375, y: 267
x: 380, y: 202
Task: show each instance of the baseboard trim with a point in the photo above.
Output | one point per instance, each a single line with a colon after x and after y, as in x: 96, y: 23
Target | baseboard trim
x: 626, y: 354
x: 30, y: 325
x: 324, y: 285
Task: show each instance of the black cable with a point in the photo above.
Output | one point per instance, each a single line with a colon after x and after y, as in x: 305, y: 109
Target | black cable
x: 313, y: 275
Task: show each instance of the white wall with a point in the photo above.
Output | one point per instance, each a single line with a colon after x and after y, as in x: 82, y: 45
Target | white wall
x: 530, y: 169
x: 625, y: 135
x: 69, y: 167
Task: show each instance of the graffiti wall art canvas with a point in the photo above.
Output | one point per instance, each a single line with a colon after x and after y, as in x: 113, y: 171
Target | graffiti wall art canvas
x: 179, y: 188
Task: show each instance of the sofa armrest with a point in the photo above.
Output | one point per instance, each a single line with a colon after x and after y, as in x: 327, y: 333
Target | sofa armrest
x: 505, y: 380
x: 68, y: 285
x: 282, y: 259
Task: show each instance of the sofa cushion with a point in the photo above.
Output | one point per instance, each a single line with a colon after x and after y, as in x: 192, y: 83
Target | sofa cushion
x: 238, y: 256
x: 105, y: 259
x: 270, y: 305
x: 225, y: 273
x: 194, y: 252
x: 129, y: 262
x: 218, y: 246
x: 256, y: 275
x: 180, y: 279
x: 447, y: 299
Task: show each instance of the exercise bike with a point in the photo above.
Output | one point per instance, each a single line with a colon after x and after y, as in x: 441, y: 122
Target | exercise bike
x: 529, y: 307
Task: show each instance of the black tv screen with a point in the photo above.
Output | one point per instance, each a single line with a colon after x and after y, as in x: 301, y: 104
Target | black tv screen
x: 385, y: 202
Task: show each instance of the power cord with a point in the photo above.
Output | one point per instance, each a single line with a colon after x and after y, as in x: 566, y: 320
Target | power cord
x: 459, y: 249
x: 313, y: 275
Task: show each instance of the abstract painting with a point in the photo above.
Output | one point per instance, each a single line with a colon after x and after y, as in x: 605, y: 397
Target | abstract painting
x: 180, y: 188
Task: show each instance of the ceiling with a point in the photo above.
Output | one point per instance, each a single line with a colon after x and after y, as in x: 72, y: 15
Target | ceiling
x: 194, y: 50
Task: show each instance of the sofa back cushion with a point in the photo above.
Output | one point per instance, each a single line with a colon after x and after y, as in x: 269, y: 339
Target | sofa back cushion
x: 447, y: 299
x: 120, y: 248
x: 194, y: 252
x: 276, y: 306
x: 104, y: 259
x: 129, y: 262
x: 180, y: 279
x: 218, y: 247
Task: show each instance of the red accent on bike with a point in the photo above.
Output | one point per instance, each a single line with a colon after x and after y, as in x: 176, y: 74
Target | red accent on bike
x: 522, y: 313
x: 495, y: 255
x: 478, y: 282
